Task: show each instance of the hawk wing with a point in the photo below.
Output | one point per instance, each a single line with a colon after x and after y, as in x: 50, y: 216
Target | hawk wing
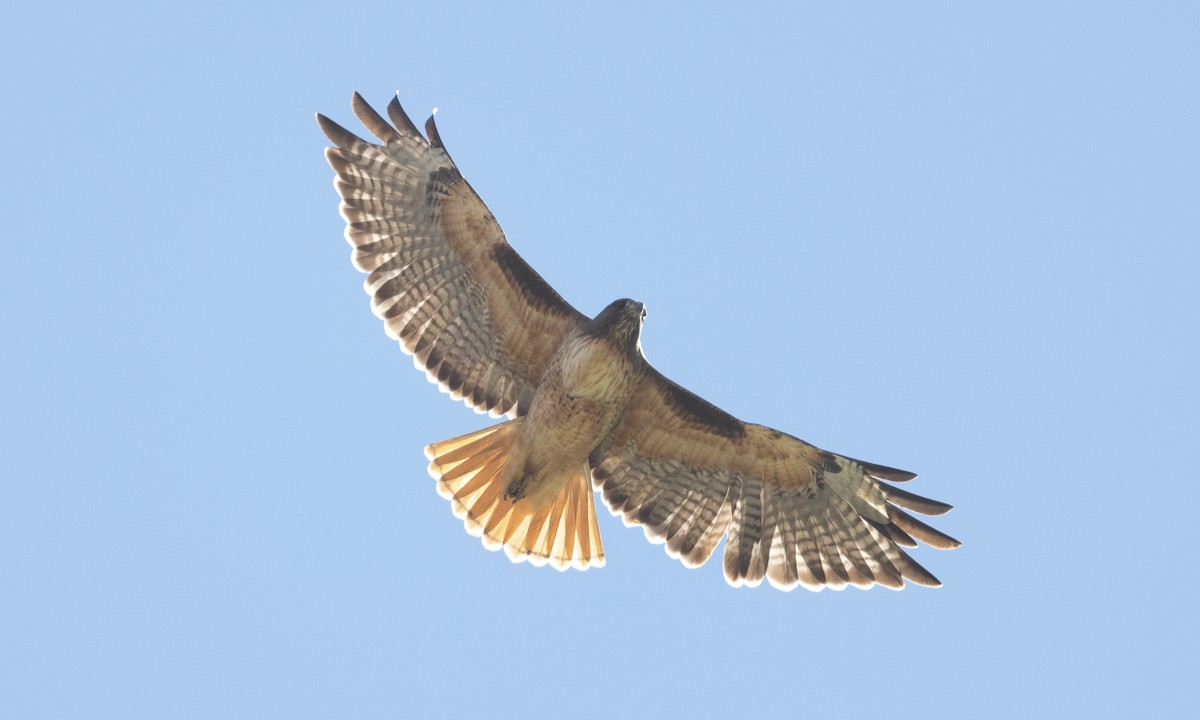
x: 690, y: 474
x: 441, y: 275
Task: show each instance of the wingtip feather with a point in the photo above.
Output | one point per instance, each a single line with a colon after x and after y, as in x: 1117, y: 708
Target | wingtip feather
x: 917, y: 503
x: 373, y: 120
x: 930, y: 536
x: 337, y: 134
x: 401, y: 120
x: 435, y: 139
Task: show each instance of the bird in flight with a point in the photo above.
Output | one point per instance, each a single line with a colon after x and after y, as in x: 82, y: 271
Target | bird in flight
x: 585, y: 409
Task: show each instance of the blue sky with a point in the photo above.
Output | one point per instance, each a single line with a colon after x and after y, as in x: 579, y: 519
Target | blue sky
x: 957, y: 238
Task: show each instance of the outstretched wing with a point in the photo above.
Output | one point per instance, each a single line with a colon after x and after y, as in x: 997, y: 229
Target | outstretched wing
x: 441, y: 275
x: 691, y: 474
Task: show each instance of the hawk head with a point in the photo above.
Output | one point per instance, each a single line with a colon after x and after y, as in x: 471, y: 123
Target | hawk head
x: 620, y: 322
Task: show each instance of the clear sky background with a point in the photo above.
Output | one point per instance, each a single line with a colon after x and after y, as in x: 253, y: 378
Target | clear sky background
x: 957, y: 238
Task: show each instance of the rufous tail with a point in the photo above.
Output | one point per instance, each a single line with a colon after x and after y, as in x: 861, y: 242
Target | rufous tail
x: 561, y: 530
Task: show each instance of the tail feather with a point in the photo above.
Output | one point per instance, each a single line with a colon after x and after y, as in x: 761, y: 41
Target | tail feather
x: 561, y: 531
x: 535, y: 530
x: 556, y: 537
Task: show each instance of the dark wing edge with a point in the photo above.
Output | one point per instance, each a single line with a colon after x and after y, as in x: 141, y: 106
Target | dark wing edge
x: 450, y: 289
x: 691, y: 474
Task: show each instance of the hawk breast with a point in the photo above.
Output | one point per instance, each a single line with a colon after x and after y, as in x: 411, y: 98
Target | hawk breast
x: 595, y: 369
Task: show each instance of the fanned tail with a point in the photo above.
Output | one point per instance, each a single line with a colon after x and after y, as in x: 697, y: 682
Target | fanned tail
x: 471, y: 474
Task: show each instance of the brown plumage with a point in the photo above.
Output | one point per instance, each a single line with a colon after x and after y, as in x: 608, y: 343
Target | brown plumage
x: 586, y: 410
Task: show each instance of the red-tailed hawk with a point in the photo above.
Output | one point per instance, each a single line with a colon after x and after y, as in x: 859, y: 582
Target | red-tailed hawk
x: 586, y: 410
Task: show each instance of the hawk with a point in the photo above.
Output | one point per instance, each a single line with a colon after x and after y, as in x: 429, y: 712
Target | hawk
x: 585, y: 410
